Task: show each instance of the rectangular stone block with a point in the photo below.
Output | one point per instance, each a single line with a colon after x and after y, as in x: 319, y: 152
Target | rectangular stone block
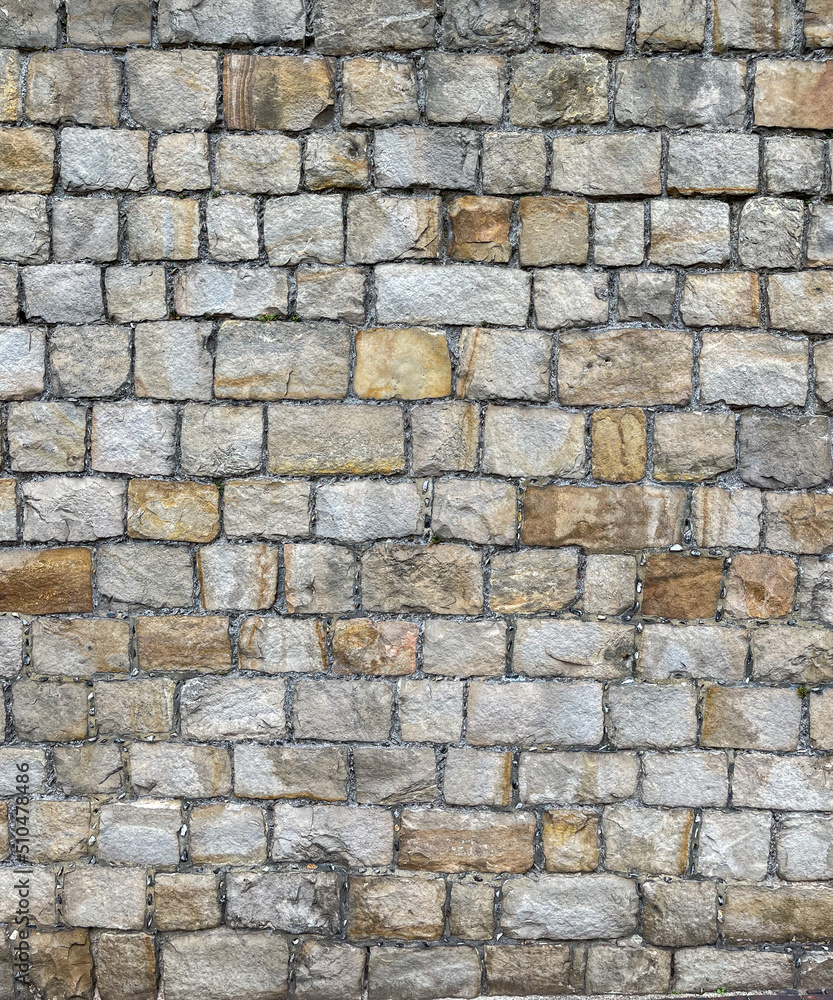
x: 286, y: 93
x: 249, y: 22
x: 442, y: 579
x: 45, y: 581
x: 606, y: 164
x: 681, y: 93
x: 422, y: 157
x: 570, y: 908
x: 332, y: 835
x: 460, y: 841
x: 572, y: 649
x: 577, y: 778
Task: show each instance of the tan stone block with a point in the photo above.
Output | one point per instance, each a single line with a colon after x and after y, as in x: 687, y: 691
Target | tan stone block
x: 186, y: 902
x: 679, y: 586
x: 45, y: 581
x: 786, y: 913
x: 620, y: 448
x: 462, y: 841
x: 11, y: 95
x: 140, y: 707
x: 625, y: 367
x: 69, y: 85
x: 125, y: 966
x: 62, y: 963
x: 278, y: 92
x: 793, y: 94
x: 480, y: 229
x: 163, y: 228
x: 553, y: 231
x: 382, y: 649
x: 605, y: 519
x: 402, y: 364
x: 55, y: 712
x: 726, y: 517
x: 80, y: 647
x: 529, y: 581
x: 27, y: 159
x: 58, y: 831
x: 690, y: 447
x: 721, y: 299
x: 409, y: 908
x: 184, y: 643
x: 818, y: 23
x: 761, y: 586
x: 799, y: 522
x: 571, y: 840
x: 173, y: 512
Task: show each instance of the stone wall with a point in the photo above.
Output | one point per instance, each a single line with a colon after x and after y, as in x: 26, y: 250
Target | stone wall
x: 415, y: 497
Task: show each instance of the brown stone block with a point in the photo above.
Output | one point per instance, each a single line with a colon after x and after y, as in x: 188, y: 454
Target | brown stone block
x: 761, y: 586
x: 463, y: 841
x: 620, y: 449
x: 480, y: 229
x: 799, y: 522
x: 793, y: 94
x: 679, y: 586
x: 383, y: 649
x: 402, y: 364
x: 625, y: 367
x: 571, y: 840
x: 173, y: 512
x: 184, y: 643
x: 62, y: 964
x: 27, y: 159
x: 753, y: 913
x: 554, y: 231
x: 125, y: 966
x: 45, y: 581
x: 605, y: 519
x: 410, y: 908
x: 278, y: 92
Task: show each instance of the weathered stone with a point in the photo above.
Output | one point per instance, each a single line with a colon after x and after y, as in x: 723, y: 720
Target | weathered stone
x: 620, y: 449
x: 750, y: 718
x: 333, y: 835
x: 85, y: 363
x: 300, y: 903
x: 705, y: 652
x: 818, y: 24
x: 792, y: 163
x: 526, y: 714
x: 237, y: 576
x: 527, y: 582
x: 628, y: 367
x: 219, y: 963
x: 63, y: 293
x: 646, y: 296
x: 609, y: 584
x: 627, y: 967
x: 160, y: 228
x: 340, y: 710
x: 553, y: 231
x: 464, y: 649
x: 421, y: 975
x: 606, y: 164
x: 31, y: 26
x: 572, y: 649
x: 801, y: 300
x: 175, y: 89
x: 224, y: 834
x: 647, y: 840
x: 479, y: 510
x: 252, y: 164
x: 679, y: 913
x: 45, y: 581
x: 174, y: 512
x: 681, y: 93
x: 571, y: 840
x: 288, y: 93
x: 721, y: 300
x: 183, y: 643
x: 619, y: 228
x: 702, y: 969
x: 24, y: 226
x: 250, y: 22
x: 105, y: 897
x: 513, y: 162
x: 328, y: 971
x: 759, y: 913
x: 408, y: 908
x: 453, y: 294
x: 202, y: 290
x: 430, y: 711
x: 61, y: 961
x: 783, y: 654
x: 689, y: 232
x: 268, y: 772
x: 543, y: 969
x: 477, y: 778
x: 401, y: 364
x: 423, y: 157
x: 570, y: 298
x: 693, y: 446
x: 803, y: 847
x: 135, y: 294
x: 132, y: 437
x: 68, y: 85
x: 746, y: 24
x: 435, y: 579
x: 141, y: 832
x: 266, y: 507
x: 219, y: 708
x: 778, y: 452
x: 379, y: 91
x: 480, y: 229
x: 85, y: 229
x: 162, y: 769
x: 664, y: 27
x: 793, y: 94
x: 624, y: 517
x: 336, y: 160
x: 770, y: 232
x: 107, y: 22
x: 72, y: 510
x: 404, y: 24
x: 688, y: 778
x: 361, y: 646
x: 318, y: 578
x: 330, y: 293
x: 445, y: 437
x: 494, y: 24
x: 459, y: 841
x: 527, y: 441
x: 761, y: 586
x: 652, y: 716
x: 221, y: 440
x: 553, y: 89
x: 814, y: 592
x: 126, y: 966
x: 677, y: 586
x: 104, y: 159
x: 568, y: 908
x: 464, y: 88
x: 387, y: 775
x: 132, y: 574
x: 769, y: 781
x: 472, y: 908
x: 231, y: 225
x: 143, y: 708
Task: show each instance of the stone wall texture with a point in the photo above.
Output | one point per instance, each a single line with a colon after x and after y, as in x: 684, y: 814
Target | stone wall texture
x: 415, y: 498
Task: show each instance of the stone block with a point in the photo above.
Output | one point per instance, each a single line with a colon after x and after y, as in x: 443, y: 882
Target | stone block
x: 681, y: 93
x: 73, y: 87
x: 552, y: 89
x: 342, y: 710
x: 328, y: 834
x: 249, y: 22
x: 171, y: 90
x: 382, y: 649
x: 221, y: 440
x: 463, y: 649
x: 462, y: 840
x: 483, y: 511
x: 268, y: 772
x: 620, y: 448
x: 402, y: 25
x: 83, y: 362
x: 480, y: 229
x: 591, y: 650
x: 410, y: 363
x: 63, y: 293
x: 567, y: 908
x: 513, y: 162
x: 286, y: 93
x: 407, y: 908
x: 388, y: 775
x: 379, y: 91
x: 45, y: 581
x: 427, y: 157
x: 318, y: 578
x: 533, y: 441
x: 258, y: 164
x: 464, y: 88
